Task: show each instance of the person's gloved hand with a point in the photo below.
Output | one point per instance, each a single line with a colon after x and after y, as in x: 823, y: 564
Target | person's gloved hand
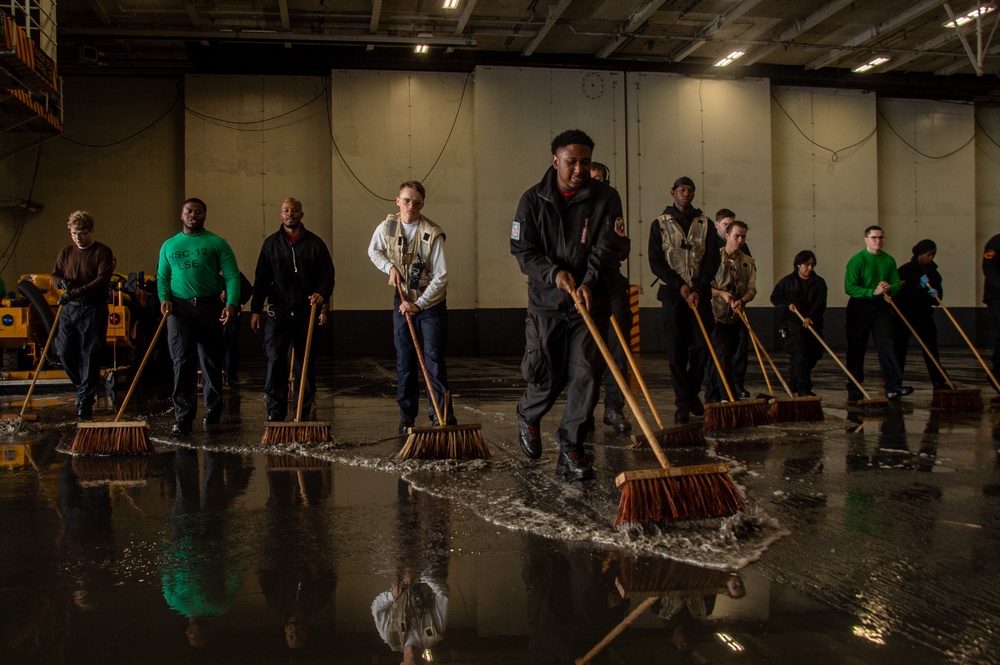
x: 925, y: 281
x: 67, y: 285
x: 933, y: 292
x: 70, y: 295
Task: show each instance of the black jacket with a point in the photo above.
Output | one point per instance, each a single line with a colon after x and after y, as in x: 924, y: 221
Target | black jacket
x: 912, y: 298
x: 287, y: 274
x: 809, y: 299
x: 550, y: 234
x: 670, y: 280
x: 991, y: 269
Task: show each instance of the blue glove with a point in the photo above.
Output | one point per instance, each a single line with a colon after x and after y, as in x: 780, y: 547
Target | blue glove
x: 933, y: 292
x: 925, y: 281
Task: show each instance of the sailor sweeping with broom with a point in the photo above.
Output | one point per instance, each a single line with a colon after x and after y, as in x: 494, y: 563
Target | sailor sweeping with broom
x: 562, y: 236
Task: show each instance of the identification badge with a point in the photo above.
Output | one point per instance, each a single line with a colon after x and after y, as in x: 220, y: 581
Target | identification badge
x: 515, y: 230
x: 620, y: 227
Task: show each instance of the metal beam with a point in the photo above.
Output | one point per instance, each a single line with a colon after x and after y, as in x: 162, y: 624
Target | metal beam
x: 930, y: 44
x: 283, y: 8
x: 554, y: 14
x: 962, y: 62
x: 720, y: 22
x: 470, y: 5
x: 637, y: 18
x: 874, y: 31
x: 99, y: 7
x: 376, y: 12
x: 266, y: 36
x: 797, y: 28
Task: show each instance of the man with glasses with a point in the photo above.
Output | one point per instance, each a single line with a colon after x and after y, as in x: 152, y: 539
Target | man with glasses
x: 871, y: 274
x: 410, y: 249
x: 83, y: 269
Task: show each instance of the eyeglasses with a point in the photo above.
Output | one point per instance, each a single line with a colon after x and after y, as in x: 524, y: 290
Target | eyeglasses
x: 876, y: 237
x: 416, y: 203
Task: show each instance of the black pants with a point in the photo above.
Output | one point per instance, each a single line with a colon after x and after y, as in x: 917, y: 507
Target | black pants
x: 560, y: 353
x: 194, y: 334
x: 738, y: 355
x: 286, y: 330
x: 687, y: 351
x: 431, y: 325
x: 725, y: 339
x: 80, y: 339
x: 923, y: 323
x: 231, y: 335
x: 993, y: 311
x: 804, y: 351
x: 871, y: 317
x: 614, y: 400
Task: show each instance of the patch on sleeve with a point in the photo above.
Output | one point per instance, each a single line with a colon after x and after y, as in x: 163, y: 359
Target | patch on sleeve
x: 515, y: 230
x: 620, y: 227
x: 989, y: 255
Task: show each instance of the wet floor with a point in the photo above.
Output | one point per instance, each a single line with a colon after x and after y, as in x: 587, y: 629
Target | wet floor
x: 867, y: 540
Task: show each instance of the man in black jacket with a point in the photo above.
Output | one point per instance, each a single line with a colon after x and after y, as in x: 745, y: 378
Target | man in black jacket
x: 561, y: 237
x: 684, y: 256
x: 294, y: 272
x: 921, y: 283
x: 806, y: 291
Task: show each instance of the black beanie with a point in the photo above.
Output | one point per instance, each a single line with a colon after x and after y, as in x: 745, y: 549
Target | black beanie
x: 683, y: 180
x: 924, y: 246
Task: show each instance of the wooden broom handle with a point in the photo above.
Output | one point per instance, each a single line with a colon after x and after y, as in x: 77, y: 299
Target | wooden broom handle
x: 635, y: 372
x: 918, y: 338
x: 774, y: 368
x: 613, y: 368
x: 142, y: 366
x: 961, y: 332
x: 420, y: 357
x: 41, y: 360
x: 711, y: 349
x: 617, y: 630
x: 753, y: 340
x: 832, y: 354
x: 305, y: 363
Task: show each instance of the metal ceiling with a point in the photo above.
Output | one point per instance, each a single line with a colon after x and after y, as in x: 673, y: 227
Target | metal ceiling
x: 793, y: 40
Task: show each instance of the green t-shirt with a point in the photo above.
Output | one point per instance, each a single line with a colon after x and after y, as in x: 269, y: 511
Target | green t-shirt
x: 865, y: 270
x: 190, y: 267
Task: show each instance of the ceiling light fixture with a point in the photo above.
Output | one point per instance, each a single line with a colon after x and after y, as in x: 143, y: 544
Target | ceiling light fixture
x: 730, y: 59
x: 871, y: 64
x: 970, y: 16
x: 450, y: 4
x: 421, y: 48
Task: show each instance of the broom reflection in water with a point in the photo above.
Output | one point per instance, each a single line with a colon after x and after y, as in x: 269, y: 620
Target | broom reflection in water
x: 197, y: 563
x: 412, y: 615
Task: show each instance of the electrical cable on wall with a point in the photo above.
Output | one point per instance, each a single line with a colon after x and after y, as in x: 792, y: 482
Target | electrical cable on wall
x: 176, y: 101
x: 914, y: 148
x: 8, y: 251
x: 834, y: 154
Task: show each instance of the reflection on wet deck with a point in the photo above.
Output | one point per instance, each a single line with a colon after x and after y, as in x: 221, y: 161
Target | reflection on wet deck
x: 869, y: 539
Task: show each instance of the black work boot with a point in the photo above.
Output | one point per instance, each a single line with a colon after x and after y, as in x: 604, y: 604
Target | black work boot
x: 573, y: 465
x: 617, y: 421
x: 530, y: 437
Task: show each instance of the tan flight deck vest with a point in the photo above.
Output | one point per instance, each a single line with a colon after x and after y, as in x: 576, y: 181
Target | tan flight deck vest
x: 734, y: 275
x: 412, y: 610
x: 403, y: 255
x: 686, y: 262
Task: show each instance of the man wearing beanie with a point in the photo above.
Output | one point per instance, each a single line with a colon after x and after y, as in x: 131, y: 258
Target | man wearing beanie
x: 684, y: 256
x: 871, y: 273
x: 920, y: 283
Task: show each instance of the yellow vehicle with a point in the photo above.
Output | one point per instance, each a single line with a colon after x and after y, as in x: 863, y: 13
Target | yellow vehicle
x: 26, y: 320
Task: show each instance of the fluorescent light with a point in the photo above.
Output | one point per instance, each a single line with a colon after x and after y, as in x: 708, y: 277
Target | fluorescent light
x: 730, y: 59
x: 970, y: 16
x: 450, y: 4
x: 874, y: 62
x: 421, y: 48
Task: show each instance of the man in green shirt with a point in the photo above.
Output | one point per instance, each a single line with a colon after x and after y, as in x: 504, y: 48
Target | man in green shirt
x: 871, y: 274
x: 187, y: 279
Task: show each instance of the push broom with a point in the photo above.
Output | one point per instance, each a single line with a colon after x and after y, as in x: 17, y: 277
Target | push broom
x: 982, y: 362
x: 118, y: 437
x: 968, y: 399
x: 671, y: 492
x: 682, y: 435
x: 868, y: 401
x: 34, y: 377
x: 440, y: 441
x: 732, y: 414
x: 783, y: 409
x: 299, y: 431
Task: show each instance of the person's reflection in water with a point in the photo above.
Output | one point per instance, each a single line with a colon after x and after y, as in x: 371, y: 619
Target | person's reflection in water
x: 413, y: 614
x: 572, y: 600
x: 892, y: 449
x: 87, y: 534
x: 686, y: 615
x: 198, y: 573
x: 298, y: 579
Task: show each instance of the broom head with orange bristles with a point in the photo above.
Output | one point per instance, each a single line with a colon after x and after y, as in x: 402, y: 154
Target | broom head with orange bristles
x: 957, y: 399
x: 677, y: 493
x: 736, y: 415
x: 681, y: 436
x: 309, y: 431
x: 112, y: 438
x: 796, y: 409
x: 445, y: 442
